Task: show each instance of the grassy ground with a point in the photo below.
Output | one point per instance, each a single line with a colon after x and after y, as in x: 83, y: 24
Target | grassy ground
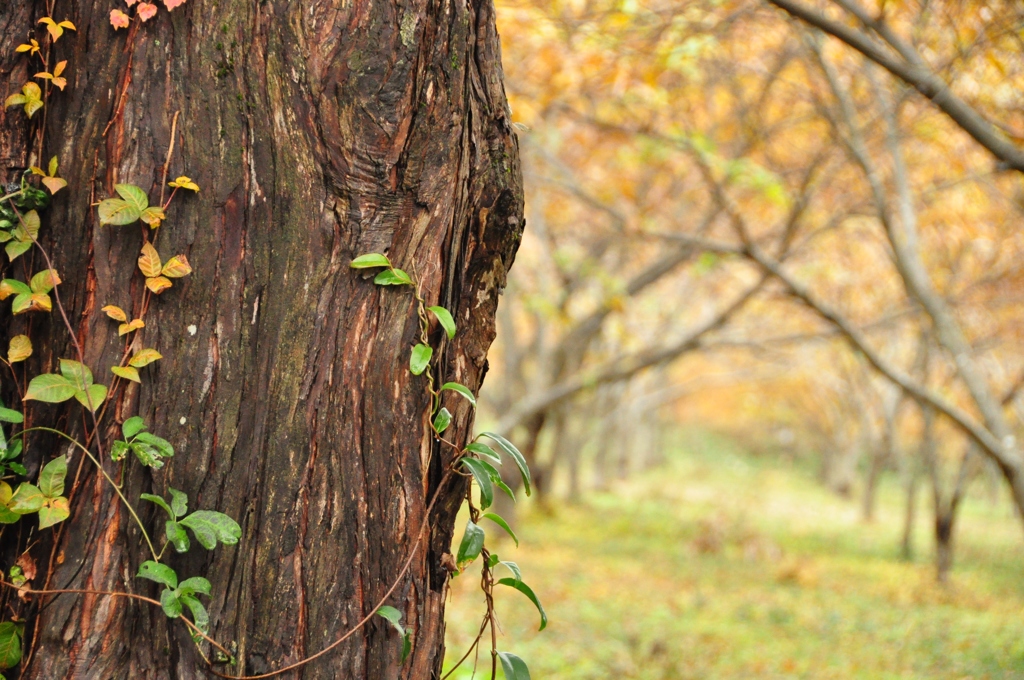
x: 720, y: 565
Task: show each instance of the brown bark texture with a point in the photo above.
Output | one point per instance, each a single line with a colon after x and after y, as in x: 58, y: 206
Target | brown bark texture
x: 318, y: 130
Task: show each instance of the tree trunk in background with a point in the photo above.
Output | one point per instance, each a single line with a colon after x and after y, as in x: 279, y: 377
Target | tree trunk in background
x: 318, y: 131
x: 909, y: 515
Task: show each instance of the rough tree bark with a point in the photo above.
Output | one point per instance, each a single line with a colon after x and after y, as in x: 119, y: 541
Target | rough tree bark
x: 318, y: 130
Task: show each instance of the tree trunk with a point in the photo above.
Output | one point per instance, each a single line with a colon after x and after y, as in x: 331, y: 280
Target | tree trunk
x: 317, y: 131
x: 909, y: 514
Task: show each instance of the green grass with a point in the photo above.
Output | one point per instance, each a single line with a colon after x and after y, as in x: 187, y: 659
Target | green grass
x: 720, y: 565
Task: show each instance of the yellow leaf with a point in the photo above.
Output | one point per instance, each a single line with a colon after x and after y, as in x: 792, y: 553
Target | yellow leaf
x: 126, y: 372
x: 22, y: 48
x: 144, y: 357
x: 149, y: 261
x: 44, y: 75
x: 158, y: 284
x: 19, y: 349
x: 54, y: 184
x: 184, y: 182
x: 58, y: 69
x: 176, y: 267
x: 37, y: 171
x: 68, y: 25
x: 60, y: 82
x: 115, y: 313
x: 126, y: 328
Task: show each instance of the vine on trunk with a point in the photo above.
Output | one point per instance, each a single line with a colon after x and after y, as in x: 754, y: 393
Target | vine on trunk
x: 21, y: 208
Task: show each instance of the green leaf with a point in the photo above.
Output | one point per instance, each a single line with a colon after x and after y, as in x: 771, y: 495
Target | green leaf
x: 51, y: 388
x: 51, y: 478
x: 56, y: 510
x: 133, y: 196
x: 144, y: 357
x: 170, y: 603
x: 500, y: 483
x: 370, y: 260
x: 161, y: 446
x: 27, y: 499
x: 481, y: 473
x: 471, y: 545
x: 10, y: 287
x: 159, y: 501
x: 16, y: 249
x: 196, y: 584
x: 179, y: 502
x: 160, y: 573
x: 444, y: 317
x: 117, y: 212
x: 442, y: 420
x: 513, y: 667
x: 199, y: 615
x: 420, y: 358
x: 210, y: 526
x: 392, y: 277
x: 511, y: 450
x: 177, y: 535
x: 500, y: 521
x: 461, y: 389
x: 77, y: 373
x: 514, y: 568
x: 526, y: 590
x: 118, y: 451
x: 132, y: 427
x: 44, y: 281
x: 96, y: 395
x: 147, y: 455
x: 484, y: 451
x: 9, y: 415
x: 10, y: 644
x: 394, y: 617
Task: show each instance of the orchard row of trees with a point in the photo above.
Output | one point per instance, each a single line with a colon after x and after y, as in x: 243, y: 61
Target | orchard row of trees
x: 795, y: 213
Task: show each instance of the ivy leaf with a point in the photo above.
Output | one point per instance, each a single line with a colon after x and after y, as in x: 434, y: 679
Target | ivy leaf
x: 177, y: 535
x: 55, y: 511
x: 19, y: 349
x: 92, y: 397
x: 133, y: 426
x: 51, y: 388
x: 9, y: 415
x: 444, y: 317
x: 461, y: 389
x: 126, y: 372
x: 152, y: 216
x: 115, y: 313
x: 152, y: 498
x: 442, y: 420
x: 176, y: 267
x: 196, y: 584
x: 170, y: 604
x: 420, y: 358
x: 133, y: 196
x: 160, y: 573
x: 210, y: 526
x: 158, y: 284
x: 512, y: 451
x: 77, y: 373
x: 513, y: 667
x: 44, y: 281
x: 500, y: 521
x: 10, y: 644
x: 149, y: 261
x: 199, y: 615
x: 7, y: 516
x: 528, y: 591
x: 147, y: 455
x: 485, y: 451
x: 117, y: 212
x: 55, y: 184
x: 471, y: 545
x: 51, y: 478
x: 118, y: 450
x: 161, y: 446
x: 36, y: 302
x: 370, y: 260
x: 144, y: 357
x: 27, y: 499
x: 133, y: 325
x: 16, y: 249
x: 394, y: 617
x: 392, y: 277
x: 481, y: 473
x: 10, y: 287
x: 179, y: 502
x: 182, y: 181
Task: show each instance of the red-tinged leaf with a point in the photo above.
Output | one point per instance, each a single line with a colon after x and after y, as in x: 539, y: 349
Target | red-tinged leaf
x: 60, y: 82
x: 153, y: 216
x: 118, y: 19
x: 126, y: 372
x: 134, y: 325
x: 144, y: 357
x: 54, y: 184
x: 171, y: 4
x: 146, y: 11
x: 158, y: 284
x: 176, y: 267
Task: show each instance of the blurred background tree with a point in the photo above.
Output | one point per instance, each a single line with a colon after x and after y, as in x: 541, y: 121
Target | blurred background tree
x: 791, y: 224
